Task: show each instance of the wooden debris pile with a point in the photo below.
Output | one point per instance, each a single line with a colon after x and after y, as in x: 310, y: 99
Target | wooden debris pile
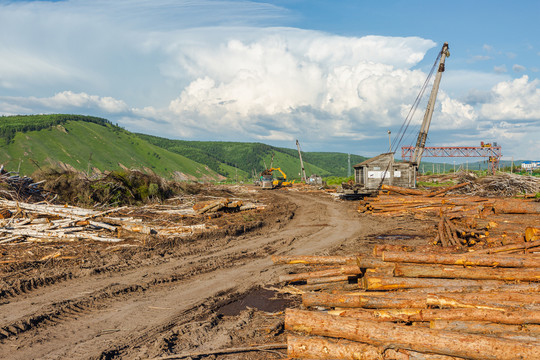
x: 21, y: 221
x: 224, y: 205
x: 460, y: 220
x: 15, y: 187
x: 421, y: 304
x: 501, y: 185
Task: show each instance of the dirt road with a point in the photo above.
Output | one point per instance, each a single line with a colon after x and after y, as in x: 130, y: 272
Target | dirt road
x: 194, y: 295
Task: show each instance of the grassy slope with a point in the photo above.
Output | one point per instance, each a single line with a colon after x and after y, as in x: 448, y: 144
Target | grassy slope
x: 249, y: 157
x: 106, y: 146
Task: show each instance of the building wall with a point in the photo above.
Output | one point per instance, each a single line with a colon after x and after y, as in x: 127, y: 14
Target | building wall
x: 530, y: 165
x: 398, y: 175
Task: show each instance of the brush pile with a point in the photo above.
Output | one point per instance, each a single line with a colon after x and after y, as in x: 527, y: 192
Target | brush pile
x: 46, y: 222
x: 423, y: 303
x: 15, y: 187
x: 500, y: 185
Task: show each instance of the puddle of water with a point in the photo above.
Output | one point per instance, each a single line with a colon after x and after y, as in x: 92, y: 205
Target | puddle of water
x: 261, y: 299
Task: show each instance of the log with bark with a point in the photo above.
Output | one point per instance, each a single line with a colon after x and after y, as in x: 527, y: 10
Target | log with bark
x: 370, y: 300
x: 316, y: 347
x: 342, y: 270
x: 457, y: 272
x: 506, y: 316
x: 467, y: 259
x: 313, y: 259
x: 432, y: 285
x: 420, y: 339
x: 370, y: 282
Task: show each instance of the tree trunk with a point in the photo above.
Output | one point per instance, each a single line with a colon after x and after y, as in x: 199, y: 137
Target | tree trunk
x: 436, y: 286
x: 361, y: 301
x: 512, y: 317
x: 402, y: 301
x: 458, y: 272
x: 312, y: 260
x: 484, y: 327
x: 468, y: 259
x: 508, y: 248
x: 328, y: 279
x: 309, y: 347
x: 468, y: 346
x: 314, y: 347
x: 371, y: 282
x: 342, y: 270
x: 379, y: 249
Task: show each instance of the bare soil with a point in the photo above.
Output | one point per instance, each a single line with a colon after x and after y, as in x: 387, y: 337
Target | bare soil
x: 158, y: 298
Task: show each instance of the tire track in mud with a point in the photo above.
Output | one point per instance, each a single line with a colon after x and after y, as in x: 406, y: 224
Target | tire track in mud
x: 71, y: 309
x: 22, y: 287
x: 207, y: 261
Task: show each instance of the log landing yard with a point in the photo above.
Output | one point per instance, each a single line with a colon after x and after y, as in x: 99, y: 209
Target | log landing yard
x: 391, y: 264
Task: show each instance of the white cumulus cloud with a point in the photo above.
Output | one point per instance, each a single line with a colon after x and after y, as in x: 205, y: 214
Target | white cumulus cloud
x: 300, y: 79
x: 517, y: 99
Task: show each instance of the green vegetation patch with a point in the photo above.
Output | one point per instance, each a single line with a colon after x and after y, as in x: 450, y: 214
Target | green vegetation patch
x: 10, y: 125
x: 91, y: 147
x: 116, y: 188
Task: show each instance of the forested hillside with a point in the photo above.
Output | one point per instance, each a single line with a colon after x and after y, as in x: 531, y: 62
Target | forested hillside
x: 88, y: 144
x: 254, y: 157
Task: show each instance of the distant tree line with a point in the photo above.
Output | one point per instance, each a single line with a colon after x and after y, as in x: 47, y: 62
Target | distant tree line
x: 244, y: 156
x: 10, y: 125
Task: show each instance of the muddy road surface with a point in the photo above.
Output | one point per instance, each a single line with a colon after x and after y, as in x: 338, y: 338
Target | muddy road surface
x: 194, y: 295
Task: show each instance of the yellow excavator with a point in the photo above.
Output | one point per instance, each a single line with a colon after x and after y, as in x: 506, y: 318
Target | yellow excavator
x: 268, y: 181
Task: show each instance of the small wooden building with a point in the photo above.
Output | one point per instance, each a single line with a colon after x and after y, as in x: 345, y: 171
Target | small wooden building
x: 371, y: 172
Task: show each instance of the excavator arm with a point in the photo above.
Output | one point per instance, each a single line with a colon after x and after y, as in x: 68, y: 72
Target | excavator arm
x: 278, y: 169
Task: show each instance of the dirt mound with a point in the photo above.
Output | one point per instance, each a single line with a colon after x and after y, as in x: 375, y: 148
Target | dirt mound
x: 117, y: 188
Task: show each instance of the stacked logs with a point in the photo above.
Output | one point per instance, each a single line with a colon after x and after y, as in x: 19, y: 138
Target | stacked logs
x: 415, y: 305
x: 459, y: 221
x: 452, y: 234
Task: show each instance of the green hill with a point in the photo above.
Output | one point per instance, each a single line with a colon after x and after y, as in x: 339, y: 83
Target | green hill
x: 252, y: 158
x: 86, y: 143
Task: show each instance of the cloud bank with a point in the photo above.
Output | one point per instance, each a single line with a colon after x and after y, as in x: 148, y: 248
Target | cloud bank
x: 222, y: 70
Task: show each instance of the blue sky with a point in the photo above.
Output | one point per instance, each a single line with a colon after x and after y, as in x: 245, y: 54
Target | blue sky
x: 334, y: 74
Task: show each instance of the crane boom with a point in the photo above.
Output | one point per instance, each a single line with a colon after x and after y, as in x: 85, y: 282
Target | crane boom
x: 422, y: 136
x: 304, y: 179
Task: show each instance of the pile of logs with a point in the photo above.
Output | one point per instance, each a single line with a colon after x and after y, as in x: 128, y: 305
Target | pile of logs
x: 459, y: 220
x: 24, y: 222
x: 417, y: 304
x: 15, y: 187
x: 46, y: 222
x: 224, y: 205
x: 422, y: 206
x: 450, y: 234
x: 503, y: 184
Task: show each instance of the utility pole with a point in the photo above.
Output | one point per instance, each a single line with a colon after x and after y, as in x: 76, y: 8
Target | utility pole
x: 304, y: 178
x: 512, y: 167
x: 349, y: 167
x: 389, y: 142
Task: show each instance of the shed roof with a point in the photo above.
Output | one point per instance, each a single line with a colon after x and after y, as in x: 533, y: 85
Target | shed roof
x: 375, y: 159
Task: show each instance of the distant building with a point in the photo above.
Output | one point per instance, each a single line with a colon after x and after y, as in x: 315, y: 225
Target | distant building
x: 382, y: 168
x: 530, y: 165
